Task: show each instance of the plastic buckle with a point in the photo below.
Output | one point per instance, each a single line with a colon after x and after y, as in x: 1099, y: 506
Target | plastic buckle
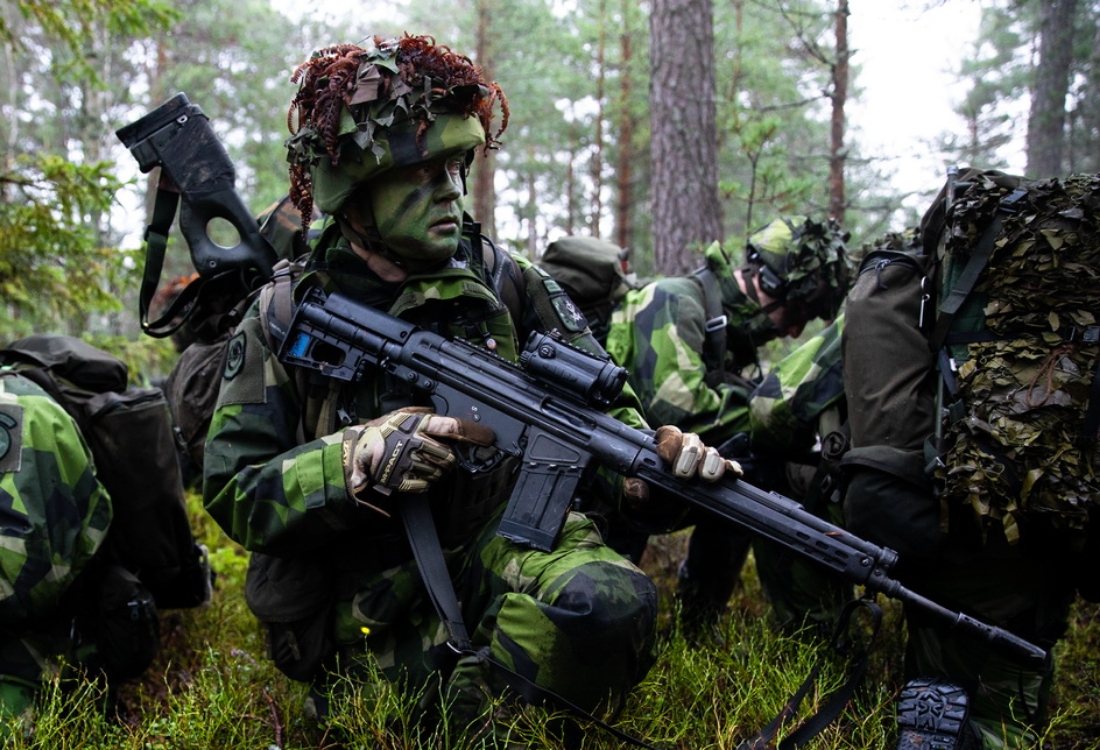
x: 716, y: 324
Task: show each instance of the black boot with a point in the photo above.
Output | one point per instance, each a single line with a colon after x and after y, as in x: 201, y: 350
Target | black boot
x: 932, y: 715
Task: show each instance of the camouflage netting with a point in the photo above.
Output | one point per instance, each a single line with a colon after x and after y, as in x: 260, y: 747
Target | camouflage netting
x: 1019, y: 452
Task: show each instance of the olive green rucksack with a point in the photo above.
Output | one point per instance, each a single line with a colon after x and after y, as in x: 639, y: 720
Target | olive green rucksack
x: 594, y: 273
x: 150, y: 559
x: 129, y: 431
x: 987, y: 318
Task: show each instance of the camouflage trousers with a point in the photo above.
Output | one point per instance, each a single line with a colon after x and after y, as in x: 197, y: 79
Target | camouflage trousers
x: 1025, y: 589
x: 577, y: 622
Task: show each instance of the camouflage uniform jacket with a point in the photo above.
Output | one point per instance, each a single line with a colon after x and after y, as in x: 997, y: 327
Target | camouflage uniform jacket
x: 274, y: 475
x: 787, y: 405
x: 54, y: 516
x: 658, y: 333
x: 274, y: 471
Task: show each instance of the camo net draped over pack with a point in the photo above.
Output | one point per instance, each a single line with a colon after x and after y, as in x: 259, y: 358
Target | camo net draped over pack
x: 1020, y: 449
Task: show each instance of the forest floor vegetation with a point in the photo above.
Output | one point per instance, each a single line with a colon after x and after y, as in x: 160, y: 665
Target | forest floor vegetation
x: 212, y: 685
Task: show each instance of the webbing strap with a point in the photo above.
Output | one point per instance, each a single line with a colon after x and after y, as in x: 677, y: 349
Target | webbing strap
x: 858, y: 664
x: 156, y: 245
x: 972, y: 271
x: 714, y: 345
x: 416, y: 514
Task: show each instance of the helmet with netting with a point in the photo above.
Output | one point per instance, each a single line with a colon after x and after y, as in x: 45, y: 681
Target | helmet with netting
x: 363, y: 110
x: 802, y: 262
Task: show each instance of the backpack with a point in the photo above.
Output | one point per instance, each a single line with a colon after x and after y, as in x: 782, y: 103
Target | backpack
x: 192, y: 385
x: 593, y: 273
x: 984, y: 317
x: 129, y: 432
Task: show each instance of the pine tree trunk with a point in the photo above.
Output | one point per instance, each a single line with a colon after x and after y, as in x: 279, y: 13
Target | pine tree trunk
x: 1046, y: 122
x: 838, y: 202
x: 686, y: 210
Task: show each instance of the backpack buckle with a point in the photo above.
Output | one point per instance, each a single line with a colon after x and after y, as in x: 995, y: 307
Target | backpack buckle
x: 716, y: 324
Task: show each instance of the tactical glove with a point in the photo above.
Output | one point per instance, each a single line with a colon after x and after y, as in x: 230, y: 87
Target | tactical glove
x: 403, y: 452
x: 687, y: 456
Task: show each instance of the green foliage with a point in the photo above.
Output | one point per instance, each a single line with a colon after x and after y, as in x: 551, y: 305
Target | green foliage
x: 50, y: 260
x: 71, y: 22
x: 213, y: 687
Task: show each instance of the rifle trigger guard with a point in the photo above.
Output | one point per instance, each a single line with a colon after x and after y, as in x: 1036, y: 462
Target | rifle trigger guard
x: 478, y: 460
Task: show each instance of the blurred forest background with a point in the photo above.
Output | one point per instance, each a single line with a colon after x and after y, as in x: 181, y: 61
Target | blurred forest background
x: 658, y: 125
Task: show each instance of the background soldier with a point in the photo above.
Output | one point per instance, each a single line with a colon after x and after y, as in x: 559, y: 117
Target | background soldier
x: 54, y: 516
x: 691, y: 346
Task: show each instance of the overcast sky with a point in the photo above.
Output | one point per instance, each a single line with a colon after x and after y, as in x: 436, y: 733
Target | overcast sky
x: 909, y: 51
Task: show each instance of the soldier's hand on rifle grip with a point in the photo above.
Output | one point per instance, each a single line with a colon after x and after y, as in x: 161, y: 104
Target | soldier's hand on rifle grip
x: 405, y: 451
x: 688, y: 457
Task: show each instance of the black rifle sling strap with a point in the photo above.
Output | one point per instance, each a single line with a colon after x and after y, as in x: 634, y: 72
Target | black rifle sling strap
x: 858, y: 659
x: 416, y: 514
x: 156, y: 245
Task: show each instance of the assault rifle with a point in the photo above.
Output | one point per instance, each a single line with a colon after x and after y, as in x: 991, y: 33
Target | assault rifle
x: 547, y: 411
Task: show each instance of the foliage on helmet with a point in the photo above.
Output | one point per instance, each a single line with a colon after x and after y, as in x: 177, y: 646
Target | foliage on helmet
x: 809, y: 258
x: 361, y: 111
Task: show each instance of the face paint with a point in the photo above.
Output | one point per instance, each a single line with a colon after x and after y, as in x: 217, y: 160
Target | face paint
x: 418, y: 209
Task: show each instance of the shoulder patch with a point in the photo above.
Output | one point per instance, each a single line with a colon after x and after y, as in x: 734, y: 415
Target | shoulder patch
x: 234, y: 356
x: 571, y: 316
x: 11, y: 437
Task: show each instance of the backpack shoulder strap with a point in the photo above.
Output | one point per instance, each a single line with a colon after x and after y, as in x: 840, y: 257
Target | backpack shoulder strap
x: 276, y: 301
x: 977, y: 262
x: 504, y: 273
x: 714, y: 345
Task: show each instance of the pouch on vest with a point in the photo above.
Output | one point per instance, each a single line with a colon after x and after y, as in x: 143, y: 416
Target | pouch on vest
x: 293, y: 599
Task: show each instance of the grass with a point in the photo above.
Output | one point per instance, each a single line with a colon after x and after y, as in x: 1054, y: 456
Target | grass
x: 212, y: 686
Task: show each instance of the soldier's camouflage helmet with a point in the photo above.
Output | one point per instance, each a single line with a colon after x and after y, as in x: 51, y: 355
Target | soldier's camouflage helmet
x: 363, y: 110
x: 803, y: 262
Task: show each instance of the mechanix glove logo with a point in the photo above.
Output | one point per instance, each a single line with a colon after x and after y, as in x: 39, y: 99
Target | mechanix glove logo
x: 234, y: 356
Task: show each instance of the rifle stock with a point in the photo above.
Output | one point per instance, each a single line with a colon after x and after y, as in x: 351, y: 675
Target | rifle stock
x: 547, y: 415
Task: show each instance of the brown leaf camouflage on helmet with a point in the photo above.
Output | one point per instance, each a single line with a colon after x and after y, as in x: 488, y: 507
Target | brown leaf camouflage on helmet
x: 360, y: 111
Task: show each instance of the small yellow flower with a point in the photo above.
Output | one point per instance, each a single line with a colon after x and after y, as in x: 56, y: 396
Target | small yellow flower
x: 365, y: 630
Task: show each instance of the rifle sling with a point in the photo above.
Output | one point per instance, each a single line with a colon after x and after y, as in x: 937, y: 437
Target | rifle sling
x: 420, y: 527
x: 416, y: 514
x: 811, y: 727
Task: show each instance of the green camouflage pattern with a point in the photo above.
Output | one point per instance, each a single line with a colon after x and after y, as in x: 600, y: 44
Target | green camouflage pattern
x: 657, y: 334
x: 54, y: 520
x: 547, y: 615
x: 808, y: 256
x: 523, y: 606
x: 785, y: 407
x: 405, y: 127
x: 1019, y: 451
